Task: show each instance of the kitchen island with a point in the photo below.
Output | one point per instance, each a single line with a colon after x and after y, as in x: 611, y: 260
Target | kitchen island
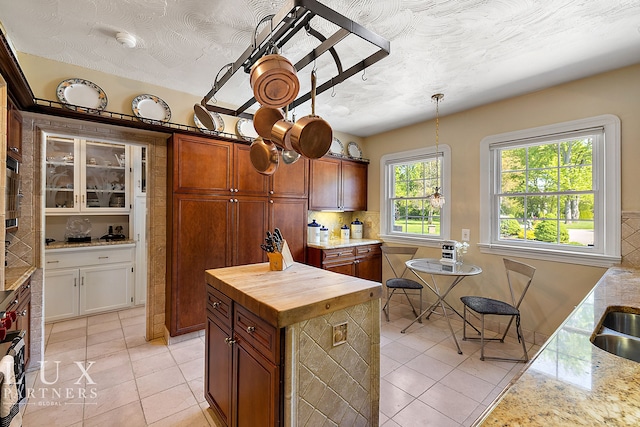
x: 570, y: 381
x: 293, y: 347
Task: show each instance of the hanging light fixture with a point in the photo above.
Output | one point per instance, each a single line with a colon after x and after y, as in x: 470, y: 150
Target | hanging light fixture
x: 437, y: 199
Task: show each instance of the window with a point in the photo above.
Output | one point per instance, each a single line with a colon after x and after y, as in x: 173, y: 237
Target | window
x: 553, y: 192
x: 409, y: 179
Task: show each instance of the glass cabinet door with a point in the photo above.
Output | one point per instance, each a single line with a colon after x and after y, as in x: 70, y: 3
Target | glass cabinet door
x: 106, y: 174
x: 61, y: 180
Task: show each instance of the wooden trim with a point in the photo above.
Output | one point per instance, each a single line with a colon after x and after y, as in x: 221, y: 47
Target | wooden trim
x: 18, y: 88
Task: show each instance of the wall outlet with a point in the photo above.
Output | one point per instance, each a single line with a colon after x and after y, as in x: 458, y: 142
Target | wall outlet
x: 465, y: 234
x: 339, y: 334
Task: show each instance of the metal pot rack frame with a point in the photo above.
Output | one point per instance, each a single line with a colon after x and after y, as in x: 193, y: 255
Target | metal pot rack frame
x: 294, y: 16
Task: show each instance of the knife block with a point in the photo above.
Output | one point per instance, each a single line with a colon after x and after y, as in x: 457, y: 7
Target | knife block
x: 279, y: 261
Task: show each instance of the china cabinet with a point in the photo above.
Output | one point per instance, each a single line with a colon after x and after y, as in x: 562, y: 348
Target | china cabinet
x: 86, y: 176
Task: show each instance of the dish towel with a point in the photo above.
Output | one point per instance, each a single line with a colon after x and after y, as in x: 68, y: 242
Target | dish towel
x: 17, y: 351
x: 9, y: 408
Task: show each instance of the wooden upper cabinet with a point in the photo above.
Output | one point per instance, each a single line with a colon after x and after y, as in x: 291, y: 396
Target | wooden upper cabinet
x: 291, y: 180
x: 336, y: 184
x: 14, y: 132
x: 247, y: 181
x: 201, y: 165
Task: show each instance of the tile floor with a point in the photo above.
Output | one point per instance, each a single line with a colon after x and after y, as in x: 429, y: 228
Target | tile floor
x: 137, y: 383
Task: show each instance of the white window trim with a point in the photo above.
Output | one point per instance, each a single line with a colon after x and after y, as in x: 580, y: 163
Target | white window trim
x: 610, y: 252
x: 385, y: 191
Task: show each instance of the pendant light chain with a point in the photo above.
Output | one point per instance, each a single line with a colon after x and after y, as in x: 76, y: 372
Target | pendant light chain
x: 437, y: 200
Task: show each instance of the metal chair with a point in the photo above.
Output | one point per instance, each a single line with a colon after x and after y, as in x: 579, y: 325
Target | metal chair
x: 487, y: 306
x: 399, y: 282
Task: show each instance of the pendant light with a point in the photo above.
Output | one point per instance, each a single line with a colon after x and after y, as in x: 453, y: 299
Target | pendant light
x: 437, y: 199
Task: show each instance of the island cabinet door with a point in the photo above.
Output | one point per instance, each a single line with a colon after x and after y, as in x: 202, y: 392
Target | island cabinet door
x: 218, y: 373
x: 257, y: 388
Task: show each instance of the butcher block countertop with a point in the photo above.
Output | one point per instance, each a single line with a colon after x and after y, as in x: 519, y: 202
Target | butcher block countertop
x: 572, y: 382
x: 299, y: 293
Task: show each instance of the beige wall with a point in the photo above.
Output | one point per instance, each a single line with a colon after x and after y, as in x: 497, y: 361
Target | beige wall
x: 557, y: 287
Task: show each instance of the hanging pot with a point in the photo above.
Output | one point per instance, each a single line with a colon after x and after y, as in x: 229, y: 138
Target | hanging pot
x: 289, y: 157
x: 311, y: 136
x: 274, y: 81
x: 264, y: 156
x: 204, y: 116
x: 264, y: 119
x: 281, y: 132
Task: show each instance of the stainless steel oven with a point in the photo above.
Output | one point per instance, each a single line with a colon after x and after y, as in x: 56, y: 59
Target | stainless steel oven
x: 12, y: 196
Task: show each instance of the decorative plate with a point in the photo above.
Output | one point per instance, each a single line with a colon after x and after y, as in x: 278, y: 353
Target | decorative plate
x: 150, y: 107
x: 336, y: 147
x: 82, y: 93
x: 354, y: 150
x: 217, y: 120
x: 245, y: 130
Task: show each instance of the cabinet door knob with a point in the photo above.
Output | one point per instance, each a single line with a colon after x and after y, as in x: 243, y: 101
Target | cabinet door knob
x: 14, y: 149
x: 229, y: 341
x: 251, y: 329
x: 231, y: 189
x: 23, y: 312
x: 215, y: 304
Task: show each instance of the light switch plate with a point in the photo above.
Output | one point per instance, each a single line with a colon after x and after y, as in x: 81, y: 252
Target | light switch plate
x: 339, y: 334
x: 465, y: 234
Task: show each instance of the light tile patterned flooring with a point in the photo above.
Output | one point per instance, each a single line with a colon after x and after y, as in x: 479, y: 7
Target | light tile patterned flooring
x: 424, y: 381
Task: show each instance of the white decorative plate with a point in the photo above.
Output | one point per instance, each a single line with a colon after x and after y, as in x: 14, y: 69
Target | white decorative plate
x: 150, y: 107
x: 217, y: 120
x: 82, y: 93
x: 354, y: 150
x: 245, y: 130
x: 336, y: 147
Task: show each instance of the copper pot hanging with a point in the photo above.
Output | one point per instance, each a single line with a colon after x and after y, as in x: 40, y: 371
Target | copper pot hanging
x: 311, y: 135
x: 264, y: 120
x: 274, y: 81
x: 264, y: 156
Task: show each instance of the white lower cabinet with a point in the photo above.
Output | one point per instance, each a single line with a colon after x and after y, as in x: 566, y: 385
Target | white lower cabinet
x: 89, y: 281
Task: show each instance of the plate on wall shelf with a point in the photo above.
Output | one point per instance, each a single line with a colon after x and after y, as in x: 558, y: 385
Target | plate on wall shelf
x: 83, y: 94
x: 354, y: 151
x: 217, y: 121
x: 245, y: 130
x: 151, y: 108
x: 336, y: 147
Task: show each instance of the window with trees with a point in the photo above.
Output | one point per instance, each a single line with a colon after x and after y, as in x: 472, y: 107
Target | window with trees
x: 410, y: 179
x: 555, y: 191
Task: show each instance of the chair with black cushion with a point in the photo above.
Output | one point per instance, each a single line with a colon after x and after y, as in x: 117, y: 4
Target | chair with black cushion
x: 395, y: 256
x: 483, y: 306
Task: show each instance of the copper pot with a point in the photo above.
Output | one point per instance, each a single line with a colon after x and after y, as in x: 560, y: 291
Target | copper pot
x: 264, y: 156
x: 311, y: 136
x: 274, y: 81
x: 264, y: 120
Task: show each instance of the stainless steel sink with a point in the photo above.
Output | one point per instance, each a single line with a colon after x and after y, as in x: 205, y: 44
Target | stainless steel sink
x: 622, y: 346
x: 625, y: 323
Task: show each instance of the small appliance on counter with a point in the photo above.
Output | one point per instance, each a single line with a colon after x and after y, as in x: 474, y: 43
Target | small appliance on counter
x: 356, y: 229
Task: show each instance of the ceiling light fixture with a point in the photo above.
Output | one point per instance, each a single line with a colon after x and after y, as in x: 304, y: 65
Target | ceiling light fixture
x: 437, y: 199
x: 127, y: 40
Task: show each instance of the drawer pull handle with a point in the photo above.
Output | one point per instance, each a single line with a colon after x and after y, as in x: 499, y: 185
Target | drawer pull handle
x: 251, y: 329
x: 53, y: 262
x: 75, y: 282
x: 229, y: 341
x: 103, y: 257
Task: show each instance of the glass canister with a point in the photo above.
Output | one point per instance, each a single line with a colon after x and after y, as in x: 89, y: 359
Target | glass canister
x: 344, y: 232
x: 324, y: 234
x: 356, y: 229
x: 313, y: 232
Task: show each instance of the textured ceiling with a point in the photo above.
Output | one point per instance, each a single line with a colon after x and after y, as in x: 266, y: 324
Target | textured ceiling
x: 474, y: 51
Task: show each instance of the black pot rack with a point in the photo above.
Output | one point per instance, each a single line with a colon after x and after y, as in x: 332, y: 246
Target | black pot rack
x: 294, y: 16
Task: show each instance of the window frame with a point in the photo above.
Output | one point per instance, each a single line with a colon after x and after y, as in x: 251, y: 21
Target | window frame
x: 386, y: 182
x: 606, y: 183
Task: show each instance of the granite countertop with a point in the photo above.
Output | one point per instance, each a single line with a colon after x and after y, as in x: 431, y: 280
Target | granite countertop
x: 299, y: 293
x: 572, y: 382
x: 15, y: 276
x: 339, y: 243
x: 93, y: 242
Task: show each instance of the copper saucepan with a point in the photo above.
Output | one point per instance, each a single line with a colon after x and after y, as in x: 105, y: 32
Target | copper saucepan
x: 264, y: 156
x: 311, y: 136
x: 274, y: 81
x: 264, y: 119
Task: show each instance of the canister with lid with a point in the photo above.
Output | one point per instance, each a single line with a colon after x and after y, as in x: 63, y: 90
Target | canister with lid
x: 313, y: 232
x: 356, y: 229
x: 324, y: 234
x: 344, y: 232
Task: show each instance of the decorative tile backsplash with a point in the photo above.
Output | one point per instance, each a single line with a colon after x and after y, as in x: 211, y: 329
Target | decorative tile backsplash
x: 334, y: 220
x: 631, y: 239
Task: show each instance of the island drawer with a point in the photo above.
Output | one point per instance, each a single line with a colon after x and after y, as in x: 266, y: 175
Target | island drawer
x: 256, y: 332
x: 219, y: 305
